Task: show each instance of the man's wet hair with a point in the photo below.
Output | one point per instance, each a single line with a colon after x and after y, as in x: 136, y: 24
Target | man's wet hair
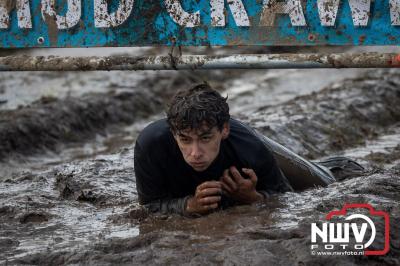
x: 197, y: 107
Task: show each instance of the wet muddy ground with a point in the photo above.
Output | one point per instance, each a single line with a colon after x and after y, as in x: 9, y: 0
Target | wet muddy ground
x: 67, y: 184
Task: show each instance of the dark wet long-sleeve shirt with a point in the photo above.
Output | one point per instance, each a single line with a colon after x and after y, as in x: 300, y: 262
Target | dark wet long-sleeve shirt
x: 164, y: 181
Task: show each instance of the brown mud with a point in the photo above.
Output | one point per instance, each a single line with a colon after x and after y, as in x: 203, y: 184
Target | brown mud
x: 49, y: 120
x: 84, y: 210
x: 335, y: 118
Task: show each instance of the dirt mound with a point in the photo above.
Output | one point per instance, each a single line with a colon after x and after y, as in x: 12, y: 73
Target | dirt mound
x: 334, y: 119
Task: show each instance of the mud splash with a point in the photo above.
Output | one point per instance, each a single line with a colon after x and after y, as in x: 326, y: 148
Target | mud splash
x: 85, y: 211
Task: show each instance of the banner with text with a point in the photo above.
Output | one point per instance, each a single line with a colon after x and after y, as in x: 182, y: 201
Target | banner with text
x: 88, y: 23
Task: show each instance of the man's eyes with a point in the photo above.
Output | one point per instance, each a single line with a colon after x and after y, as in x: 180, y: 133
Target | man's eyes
x: 185, y: 140
x: 188, y: 140
x: 206, y: 138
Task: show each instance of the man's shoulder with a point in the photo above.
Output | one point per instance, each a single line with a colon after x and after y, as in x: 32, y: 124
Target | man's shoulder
x: 240, y: 126
x: 243, y: 132
x: 247, y: 141
x: 157, y: 132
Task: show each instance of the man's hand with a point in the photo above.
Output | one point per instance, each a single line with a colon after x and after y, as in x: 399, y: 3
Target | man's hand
x: 206, y: 198
x: 241, y: 189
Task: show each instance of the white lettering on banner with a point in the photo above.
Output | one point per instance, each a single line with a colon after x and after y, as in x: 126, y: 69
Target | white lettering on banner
x: 23, y: 13
x: 103, y: 19
x: 218, y: 18
x: 360, y: 10
x: 180, y: 16
x: 70, y: 19
x: 394, y: 12
x: 328, y: 9
x: 293, y: 8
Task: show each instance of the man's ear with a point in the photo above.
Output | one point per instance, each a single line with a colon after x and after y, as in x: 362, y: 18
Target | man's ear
x: 225, y: 130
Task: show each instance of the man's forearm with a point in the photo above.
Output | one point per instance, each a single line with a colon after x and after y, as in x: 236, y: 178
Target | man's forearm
x: 178, y: 205
x: 168, y: 206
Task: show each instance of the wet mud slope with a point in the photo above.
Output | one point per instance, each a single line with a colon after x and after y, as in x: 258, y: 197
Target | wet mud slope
x: 335, y: 118
x: 86, y: 212
x: 51, y: 120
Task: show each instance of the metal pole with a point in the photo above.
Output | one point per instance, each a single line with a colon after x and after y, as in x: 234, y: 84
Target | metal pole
x: 244, y: 61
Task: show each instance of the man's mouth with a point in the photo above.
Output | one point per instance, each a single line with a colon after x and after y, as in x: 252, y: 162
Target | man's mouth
x: 198, y: 164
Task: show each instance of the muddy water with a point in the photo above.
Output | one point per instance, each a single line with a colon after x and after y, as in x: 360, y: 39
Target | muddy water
x: 70, y: 198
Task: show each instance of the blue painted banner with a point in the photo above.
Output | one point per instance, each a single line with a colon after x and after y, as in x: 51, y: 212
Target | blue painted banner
x: 88, y: 23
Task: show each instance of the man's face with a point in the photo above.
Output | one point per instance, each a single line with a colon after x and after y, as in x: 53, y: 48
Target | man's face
x: 200, y: 147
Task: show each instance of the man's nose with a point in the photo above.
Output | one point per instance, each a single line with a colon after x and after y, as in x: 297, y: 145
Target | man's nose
x: 196, y: 151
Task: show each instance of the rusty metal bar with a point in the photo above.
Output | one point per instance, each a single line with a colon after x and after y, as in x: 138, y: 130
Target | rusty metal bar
x: 192, y: 62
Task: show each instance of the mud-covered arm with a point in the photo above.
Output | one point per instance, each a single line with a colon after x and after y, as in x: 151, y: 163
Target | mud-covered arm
x: 271, y: 180
x: 167, y: 206
x: 151, y: 185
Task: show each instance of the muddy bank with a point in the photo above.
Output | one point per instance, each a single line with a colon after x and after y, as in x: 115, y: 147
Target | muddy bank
x: 339, y: 117
x: 51, y: 120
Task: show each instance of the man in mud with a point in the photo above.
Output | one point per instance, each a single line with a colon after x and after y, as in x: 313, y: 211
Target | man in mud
x: 199, y: 159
